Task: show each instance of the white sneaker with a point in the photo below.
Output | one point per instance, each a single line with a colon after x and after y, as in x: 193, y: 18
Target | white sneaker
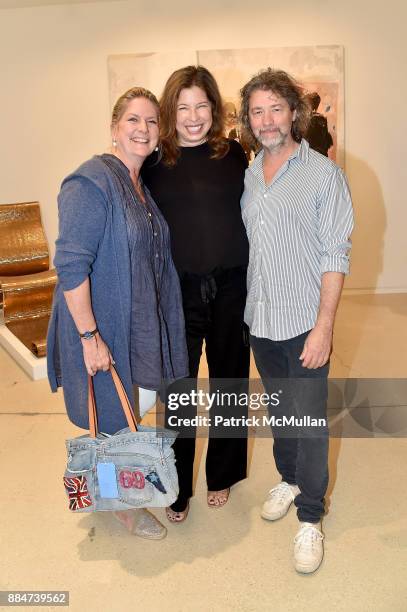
x: 308, y: 548
x: 278, y: 501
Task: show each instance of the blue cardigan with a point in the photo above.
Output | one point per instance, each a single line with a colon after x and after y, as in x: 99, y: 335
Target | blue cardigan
x: 92, y: 222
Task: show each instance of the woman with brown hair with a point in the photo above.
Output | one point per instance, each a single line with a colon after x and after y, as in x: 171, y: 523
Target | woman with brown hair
x: 197, y: 183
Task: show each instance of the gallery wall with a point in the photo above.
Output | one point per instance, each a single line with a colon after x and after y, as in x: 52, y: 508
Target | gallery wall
x: 54, y: 102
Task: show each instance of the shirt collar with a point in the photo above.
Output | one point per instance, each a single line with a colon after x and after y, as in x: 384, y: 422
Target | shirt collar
x: 302, y: 154
x: 303, y: 151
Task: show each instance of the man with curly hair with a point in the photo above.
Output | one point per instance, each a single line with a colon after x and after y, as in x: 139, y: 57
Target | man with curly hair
x: 298, y: 215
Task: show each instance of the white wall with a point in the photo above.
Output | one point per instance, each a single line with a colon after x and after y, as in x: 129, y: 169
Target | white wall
x: 54, y: 105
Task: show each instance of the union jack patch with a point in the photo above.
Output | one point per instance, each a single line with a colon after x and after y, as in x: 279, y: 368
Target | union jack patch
x: 77, y: 489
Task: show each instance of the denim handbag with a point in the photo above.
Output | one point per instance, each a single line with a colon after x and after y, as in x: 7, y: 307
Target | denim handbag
x: 133, y: 468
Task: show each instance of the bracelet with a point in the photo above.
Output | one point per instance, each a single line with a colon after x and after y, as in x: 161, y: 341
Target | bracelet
x: 88, y: 335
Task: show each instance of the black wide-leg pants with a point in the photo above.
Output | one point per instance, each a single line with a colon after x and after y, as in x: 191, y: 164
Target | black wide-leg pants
x: 214, y: 307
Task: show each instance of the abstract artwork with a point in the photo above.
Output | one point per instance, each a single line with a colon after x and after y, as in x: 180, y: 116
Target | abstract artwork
x: 318, y: 68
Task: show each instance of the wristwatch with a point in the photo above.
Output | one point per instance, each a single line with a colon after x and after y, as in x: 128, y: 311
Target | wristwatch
x: 88, y: 335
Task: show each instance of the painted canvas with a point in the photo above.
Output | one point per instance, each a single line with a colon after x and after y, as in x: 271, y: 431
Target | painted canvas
x: 319, y: 69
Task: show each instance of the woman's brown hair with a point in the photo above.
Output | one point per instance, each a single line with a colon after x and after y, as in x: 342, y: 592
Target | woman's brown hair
x: 185, y: 78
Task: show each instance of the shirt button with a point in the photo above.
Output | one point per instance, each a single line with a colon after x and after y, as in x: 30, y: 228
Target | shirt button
x: 155, y: 233
x: 261, y: 222
x: 156, y: 254
x: 265, y: 195
x: 149, y: 214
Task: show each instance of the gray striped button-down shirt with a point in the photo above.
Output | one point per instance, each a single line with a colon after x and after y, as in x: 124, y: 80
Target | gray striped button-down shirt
x: 298, y: 228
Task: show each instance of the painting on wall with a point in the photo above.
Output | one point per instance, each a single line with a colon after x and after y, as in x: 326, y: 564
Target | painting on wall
x: 319, y: 69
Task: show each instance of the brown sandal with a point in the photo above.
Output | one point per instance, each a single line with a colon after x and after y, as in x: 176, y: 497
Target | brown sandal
x: 217, y: 499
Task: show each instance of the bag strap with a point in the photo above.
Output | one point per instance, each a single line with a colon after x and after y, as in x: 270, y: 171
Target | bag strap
x: 124, y: 400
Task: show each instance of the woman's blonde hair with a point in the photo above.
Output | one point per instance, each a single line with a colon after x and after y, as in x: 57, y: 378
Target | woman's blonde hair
x: 135, y: 92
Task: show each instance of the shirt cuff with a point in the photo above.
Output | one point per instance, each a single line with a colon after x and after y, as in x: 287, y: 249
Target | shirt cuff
x: 335, y: 264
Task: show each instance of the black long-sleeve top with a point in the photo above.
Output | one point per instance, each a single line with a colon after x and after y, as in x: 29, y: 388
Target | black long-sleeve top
x: 200, y: 200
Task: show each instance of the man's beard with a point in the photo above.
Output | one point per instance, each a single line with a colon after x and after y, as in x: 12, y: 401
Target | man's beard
x: 273, y: 143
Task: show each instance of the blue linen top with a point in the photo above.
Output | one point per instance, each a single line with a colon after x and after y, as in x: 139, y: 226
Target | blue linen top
x: 157, y: 330
x: 106, y: 234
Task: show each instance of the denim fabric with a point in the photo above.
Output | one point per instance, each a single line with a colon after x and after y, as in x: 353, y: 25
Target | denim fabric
x: 301, y: 454
x: 147, y: 453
